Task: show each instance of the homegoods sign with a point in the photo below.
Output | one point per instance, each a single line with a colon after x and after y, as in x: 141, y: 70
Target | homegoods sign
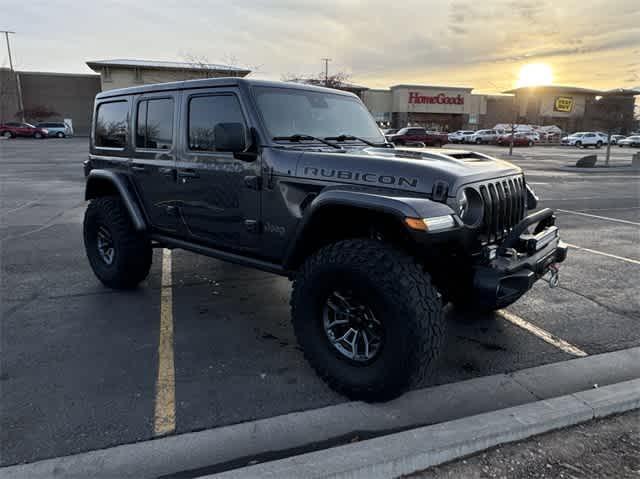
x: 439, y: 99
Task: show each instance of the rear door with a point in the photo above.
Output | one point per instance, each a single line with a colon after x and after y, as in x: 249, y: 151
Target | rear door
x: 153, y: 165
x: 218, y: 194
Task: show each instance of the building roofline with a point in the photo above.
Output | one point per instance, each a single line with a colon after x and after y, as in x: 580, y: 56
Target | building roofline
x: 563, y: 88
x: 440, y: 87
x: 164, y: 65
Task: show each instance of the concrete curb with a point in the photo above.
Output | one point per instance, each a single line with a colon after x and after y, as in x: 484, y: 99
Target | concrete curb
x: 223, y: 448
x: 418, y: 449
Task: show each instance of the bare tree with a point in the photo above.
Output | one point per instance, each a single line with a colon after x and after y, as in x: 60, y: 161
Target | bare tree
x: 37, y: 113
x: 338, y: 80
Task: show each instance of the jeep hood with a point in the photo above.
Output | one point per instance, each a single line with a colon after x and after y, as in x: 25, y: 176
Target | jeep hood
x: 416, y: 169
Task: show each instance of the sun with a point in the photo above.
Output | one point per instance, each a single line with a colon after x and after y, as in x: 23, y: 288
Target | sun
x: 535, y: 74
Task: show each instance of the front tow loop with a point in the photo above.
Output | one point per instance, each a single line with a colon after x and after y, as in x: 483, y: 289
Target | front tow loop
x: 552, y: 276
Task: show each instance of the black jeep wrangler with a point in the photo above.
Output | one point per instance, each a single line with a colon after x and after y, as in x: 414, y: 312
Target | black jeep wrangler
x: 299, y: 181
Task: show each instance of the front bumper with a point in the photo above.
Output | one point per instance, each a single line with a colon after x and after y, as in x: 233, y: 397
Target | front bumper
x: 510, y: 269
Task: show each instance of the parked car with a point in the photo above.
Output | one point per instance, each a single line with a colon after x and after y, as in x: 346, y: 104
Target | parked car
x: 414, y: 134
x: 533, y: 135
x: 633, y: 141
x: 390, y: 131
x: 57, y: 129
x: 482, y: 136
x: 372, y: 238
x: 520, y: 139
x: 12, y: 129
x: 584, y: 139
x: 616, y: 138
x: 460, y: 136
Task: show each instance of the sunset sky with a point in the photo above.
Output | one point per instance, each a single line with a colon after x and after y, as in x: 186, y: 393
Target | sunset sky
x: 479, y: 44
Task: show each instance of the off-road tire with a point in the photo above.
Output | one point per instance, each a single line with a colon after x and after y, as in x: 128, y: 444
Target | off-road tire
x: 402, y: 297
x: 133, y: 252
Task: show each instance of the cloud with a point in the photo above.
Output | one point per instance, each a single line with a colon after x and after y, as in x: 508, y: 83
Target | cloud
x: 460, y: 41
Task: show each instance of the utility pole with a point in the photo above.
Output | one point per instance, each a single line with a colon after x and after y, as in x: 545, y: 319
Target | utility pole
x: 18, y: 85
x: 326, y: 70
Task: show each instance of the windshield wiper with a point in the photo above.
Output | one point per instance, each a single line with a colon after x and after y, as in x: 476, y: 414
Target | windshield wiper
x: 351, y: 137
x: 299, y: 137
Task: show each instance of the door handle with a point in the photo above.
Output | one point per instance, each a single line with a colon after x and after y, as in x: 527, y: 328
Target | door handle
x: 138, y: 168
x: 167, y: 172
x: 188, y: 173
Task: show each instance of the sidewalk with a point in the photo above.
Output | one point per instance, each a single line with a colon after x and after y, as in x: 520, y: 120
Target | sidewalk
x: 604, y: 448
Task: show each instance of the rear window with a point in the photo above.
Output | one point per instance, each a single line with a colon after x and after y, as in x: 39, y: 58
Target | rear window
x: 111, y: 124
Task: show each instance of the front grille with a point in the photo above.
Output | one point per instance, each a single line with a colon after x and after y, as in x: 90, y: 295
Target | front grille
x: 504, y: 207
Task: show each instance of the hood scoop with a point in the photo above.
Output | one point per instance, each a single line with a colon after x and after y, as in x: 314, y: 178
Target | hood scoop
x: 456, y: 156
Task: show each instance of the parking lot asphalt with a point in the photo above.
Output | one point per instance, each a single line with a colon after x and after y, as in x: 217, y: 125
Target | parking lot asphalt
x: 78, y: 362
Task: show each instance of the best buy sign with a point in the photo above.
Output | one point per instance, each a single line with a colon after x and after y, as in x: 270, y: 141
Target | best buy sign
x: 563, y: 104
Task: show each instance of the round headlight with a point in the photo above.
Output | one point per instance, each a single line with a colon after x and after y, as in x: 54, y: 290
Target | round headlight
x: 470, y: 206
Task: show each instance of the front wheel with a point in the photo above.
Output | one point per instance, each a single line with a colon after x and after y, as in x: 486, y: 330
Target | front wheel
x: 599, y: 144
x: 119, y: 255
x: 60, y: 134
x: 530, y: 143
x: 578, y: 144
x: 368, y: 318
x: 478, y: 141
x: 37, y: 135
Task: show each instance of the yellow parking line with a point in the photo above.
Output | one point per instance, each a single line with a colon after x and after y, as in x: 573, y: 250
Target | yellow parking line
x: 601, y: 253
x: 542, y: 334
x: 165, y: 411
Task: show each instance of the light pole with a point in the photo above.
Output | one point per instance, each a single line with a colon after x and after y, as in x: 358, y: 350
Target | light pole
x: 18, y: 85
x: 326, y: 70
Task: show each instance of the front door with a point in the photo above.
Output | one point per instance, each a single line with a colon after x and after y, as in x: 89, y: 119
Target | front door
x: 153, y: 165
x: 218, y: 194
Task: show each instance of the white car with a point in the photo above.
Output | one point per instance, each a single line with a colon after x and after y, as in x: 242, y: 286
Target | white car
x: 483, y: 136
x: 585, y: 139
x: 632, y: 141
x: 616, y: 138
x: 460, y: 136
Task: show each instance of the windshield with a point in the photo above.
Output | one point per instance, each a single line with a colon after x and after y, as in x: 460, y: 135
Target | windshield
x: 288, y: 111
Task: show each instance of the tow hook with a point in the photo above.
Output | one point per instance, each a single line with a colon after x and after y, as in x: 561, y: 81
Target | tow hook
x: 552, y: 276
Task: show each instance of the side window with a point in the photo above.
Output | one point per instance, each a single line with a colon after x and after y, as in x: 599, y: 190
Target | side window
x: 111, y: 124
x: 154, y: 124
x: 205, y: 112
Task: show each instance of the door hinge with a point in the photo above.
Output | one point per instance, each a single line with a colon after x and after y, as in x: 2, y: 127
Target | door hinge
x: 253, y: 182
x: 253, y: 226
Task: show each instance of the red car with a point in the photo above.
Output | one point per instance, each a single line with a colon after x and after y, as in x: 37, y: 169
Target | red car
x: 412, y: 135
x: 520, y: 139
x: 13, y: 129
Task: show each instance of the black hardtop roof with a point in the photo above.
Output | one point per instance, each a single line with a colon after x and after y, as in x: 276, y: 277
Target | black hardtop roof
x: 214, y: 82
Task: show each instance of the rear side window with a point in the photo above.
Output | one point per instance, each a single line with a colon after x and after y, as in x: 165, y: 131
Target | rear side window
x: 154, y: 125
x: 205, y: 112
x: 111, y: 124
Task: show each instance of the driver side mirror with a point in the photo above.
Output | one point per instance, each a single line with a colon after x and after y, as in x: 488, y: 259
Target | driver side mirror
x: 230, y: 137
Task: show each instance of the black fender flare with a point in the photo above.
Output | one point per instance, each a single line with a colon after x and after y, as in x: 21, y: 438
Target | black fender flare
x: 398, y: 206
x: 103, y: 182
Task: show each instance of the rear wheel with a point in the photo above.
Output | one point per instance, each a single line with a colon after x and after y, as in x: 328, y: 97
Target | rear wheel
x: 368, y: 318
x: 119, y: 255
x: 7, y: 134
x: 530, y: 143
x: 60, y: 134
